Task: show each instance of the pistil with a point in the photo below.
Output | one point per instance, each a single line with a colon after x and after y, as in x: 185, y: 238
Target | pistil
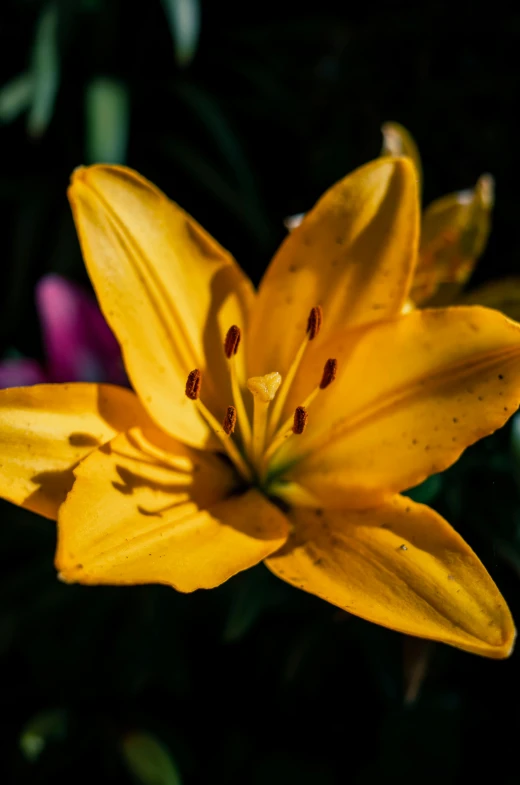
x: 264, y: 389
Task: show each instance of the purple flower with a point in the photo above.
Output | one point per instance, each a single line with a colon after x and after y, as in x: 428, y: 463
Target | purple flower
x: 78, y: 343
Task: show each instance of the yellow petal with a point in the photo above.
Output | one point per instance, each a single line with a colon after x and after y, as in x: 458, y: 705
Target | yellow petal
x: 398, y: 141
x: 503, y: 294
x: 353, y: 254
x: 402, y: 566
x: 454, y: 234
x: 143, y: 515
x: 167, y: 289
x: 410, y: 396
x: 47, y: 429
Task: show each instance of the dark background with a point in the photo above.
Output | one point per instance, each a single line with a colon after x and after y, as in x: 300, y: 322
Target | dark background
x: 253, y: 682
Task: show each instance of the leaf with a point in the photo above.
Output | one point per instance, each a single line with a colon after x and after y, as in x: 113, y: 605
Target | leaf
x: 417, y: 656
x: 15, y: 97
x: 213, y: 120
x: 254, y: 593
x: 40, y: 730
x: 427, y: 491
x: 107, y: 109
x: 206, y: 176
x: 184, y: 20
x: 45, y: 72
x: 149, y: 761
x: 515, y: 446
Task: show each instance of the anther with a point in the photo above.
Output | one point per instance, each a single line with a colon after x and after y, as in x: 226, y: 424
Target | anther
x: 230, y: 420
x: 329, y: 373
x: 314, y: 322
x: 300, y: 419
x: 193, y: 384
x: 232, y: 341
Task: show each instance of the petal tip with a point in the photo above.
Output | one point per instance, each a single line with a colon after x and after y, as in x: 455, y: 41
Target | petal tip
x: 405, y: 165
x: 503, y: 650
x: 78, y: 174
x: 65, y: 578
x: 486, y: 187
x: 508, y: 647
x: 397, y: 166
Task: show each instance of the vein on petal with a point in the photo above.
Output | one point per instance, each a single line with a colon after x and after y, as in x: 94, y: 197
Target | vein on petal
x: 420, y: 387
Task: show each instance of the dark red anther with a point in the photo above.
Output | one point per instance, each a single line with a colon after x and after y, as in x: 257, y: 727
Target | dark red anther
x: 300, y: 419
x: 329, y: 373
x: 193, y: 384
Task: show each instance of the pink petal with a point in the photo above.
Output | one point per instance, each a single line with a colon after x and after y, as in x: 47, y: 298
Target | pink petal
x: 78, y: 341
x: 21, y: 373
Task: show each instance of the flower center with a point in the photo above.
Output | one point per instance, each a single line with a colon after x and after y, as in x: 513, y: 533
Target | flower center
x: 260, y: 439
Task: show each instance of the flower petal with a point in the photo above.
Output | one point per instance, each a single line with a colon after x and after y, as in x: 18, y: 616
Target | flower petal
x: 162, y: 283
x: 410, y: 396
x: 398, y: 141
x: 402, y: 566
x: 47, y: 429
x: 454, y: 234
x: 503, y: 294
x: 138, y: 516
x: 21, y: 372
x: 353, y: 254
x: 79, y: 344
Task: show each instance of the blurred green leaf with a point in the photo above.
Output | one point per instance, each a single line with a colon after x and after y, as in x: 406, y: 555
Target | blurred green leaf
x: 254, y: 593
x: 45, y: 71
x: 107, y: 109
x: 213, y: 120
x: 15, y: 97
x: 184, y: 20
x: 207, y: 177
x: 12, y: 353
x: 515, y: 446
x: 149, y: 760
x: 40, y: 730
x: 427, y: 491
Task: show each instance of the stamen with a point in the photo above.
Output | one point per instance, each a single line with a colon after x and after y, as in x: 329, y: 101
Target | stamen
x: 314, y: 323
x: 230, y: 420
x: 231, y: 345
x: 232, y: 341
x: 264, y: 389
x: 300, y: 419
x: 193, y: 384
x: 329, y: 373
x: 288, y: 428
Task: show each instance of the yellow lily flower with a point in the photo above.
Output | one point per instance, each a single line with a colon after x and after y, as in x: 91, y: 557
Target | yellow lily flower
x: 455, y: 231
x: 278, y: 426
